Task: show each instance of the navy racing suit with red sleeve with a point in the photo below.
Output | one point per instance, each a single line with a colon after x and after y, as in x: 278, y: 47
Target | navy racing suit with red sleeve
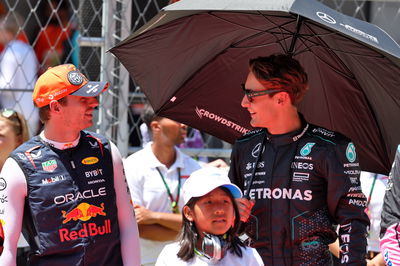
x: 305, y: 182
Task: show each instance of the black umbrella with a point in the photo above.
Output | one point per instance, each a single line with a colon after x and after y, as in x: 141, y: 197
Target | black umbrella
x: 191, y: 58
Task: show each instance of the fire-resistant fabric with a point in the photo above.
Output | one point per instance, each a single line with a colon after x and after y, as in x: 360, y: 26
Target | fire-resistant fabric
x: 70, y: 214
x: 305, y: 182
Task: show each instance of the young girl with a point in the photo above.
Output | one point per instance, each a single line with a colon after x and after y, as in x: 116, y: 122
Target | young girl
x: 210, y: 220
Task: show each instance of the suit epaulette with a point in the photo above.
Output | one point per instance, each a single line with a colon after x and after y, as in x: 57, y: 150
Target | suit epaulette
x: 251, y: 134
x: 327, y: 135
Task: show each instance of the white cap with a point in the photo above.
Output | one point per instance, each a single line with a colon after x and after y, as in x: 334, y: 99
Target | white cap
x: 205, y: 180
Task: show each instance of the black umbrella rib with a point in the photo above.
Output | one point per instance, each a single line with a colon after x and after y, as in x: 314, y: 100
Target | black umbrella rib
x: 323, y: 45
x: 309, y: 49
x: 332, y: 52
x: 350, y: 76
x: 314, y: 35
x: 277, y: 41
x: 299, y: 22
x: 282, y: 31
x: 315, y: 44
x: 281, y: 28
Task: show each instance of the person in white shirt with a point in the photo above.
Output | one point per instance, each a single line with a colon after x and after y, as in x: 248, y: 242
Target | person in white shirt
x: 155, y: 176
x: 210, y: 222
x: 374, y: 187
x: 18, y: 73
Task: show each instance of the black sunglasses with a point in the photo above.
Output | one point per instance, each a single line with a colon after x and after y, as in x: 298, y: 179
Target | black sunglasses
x: 252, y: 93
x: 12, y: 116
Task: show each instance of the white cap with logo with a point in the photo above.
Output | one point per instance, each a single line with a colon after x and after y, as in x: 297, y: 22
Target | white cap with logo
x: 205, y: 180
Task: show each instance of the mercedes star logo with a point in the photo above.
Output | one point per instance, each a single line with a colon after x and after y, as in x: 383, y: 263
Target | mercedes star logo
x: 325, y: 17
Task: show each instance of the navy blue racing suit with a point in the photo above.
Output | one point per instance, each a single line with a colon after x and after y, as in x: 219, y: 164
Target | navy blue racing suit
x: 305, y: 182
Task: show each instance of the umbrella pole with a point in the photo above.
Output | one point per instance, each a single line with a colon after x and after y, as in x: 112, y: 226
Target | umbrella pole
x: 299, y: 22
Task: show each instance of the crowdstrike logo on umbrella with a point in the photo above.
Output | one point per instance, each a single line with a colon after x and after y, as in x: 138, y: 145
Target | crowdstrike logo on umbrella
x: 204, y: 113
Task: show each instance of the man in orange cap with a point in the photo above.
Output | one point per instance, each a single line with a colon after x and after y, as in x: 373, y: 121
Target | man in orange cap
x: 66, y: 187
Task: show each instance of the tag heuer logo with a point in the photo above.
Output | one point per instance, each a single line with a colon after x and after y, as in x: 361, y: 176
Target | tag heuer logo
x: 75, y: 77
x: 49, y: 166
x: 351, y: 152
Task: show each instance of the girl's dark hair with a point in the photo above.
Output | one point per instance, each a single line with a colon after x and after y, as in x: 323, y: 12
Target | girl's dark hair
x: 187, y: 236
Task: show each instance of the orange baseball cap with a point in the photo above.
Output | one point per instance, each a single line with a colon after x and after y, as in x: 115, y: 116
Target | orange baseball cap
x: 60, y: 81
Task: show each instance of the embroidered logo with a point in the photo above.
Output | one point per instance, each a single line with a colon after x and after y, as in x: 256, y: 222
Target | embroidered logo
x: 75, y: 77
x: 49, y: 166
x: 90, y: 160
x: 306, y: 150
x: 351, y: 152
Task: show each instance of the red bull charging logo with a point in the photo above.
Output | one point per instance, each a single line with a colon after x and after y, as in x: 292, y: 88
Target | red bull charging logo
x: 83, y: 212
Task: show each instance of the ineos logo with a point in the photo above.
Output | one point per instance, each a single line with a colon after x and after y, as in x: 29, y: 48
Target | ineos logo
x: 256, y: 150
x: 325, y: 17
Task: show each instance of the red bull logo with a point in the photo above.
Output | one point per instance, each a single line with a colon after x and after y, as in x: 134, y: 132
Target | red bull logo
x: 84, y: 212
x: 88, y: 229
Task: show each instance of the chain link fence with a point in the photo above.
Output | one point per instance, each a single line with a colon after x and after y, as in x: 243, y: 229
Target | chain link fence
x: 81, y: 32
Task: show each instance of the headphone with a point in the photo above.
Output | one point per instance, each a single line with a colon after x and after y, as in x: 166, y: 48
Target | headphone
x: 213, y: 248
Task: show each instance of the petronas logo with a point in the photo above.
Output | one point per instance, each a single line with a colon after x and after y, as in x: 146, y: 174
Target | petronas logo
x: 351, y: 152
x: 306, y: 149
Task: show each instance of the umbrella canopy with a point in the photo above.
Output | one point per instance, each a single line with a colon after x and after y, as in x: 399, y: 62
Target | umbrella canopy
x: 191, y: 58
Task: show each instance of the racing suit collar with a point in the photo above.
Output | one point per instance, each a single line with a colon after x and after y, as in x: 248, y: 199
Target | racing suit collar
x: 283, y: 139
x: 60, y: 145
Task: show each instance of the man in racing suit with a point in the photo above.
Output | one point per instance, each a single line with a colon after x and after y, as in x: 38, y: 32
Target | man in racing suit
x: 301, y: 179
x: 66, y: 187
x: 390, y: 221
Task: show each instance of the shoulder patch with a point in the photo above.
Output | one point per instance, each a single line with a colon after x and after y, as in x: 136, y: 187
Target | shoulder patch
x: 251, y: 134
x: 328, y: 135
x: 323, y: 131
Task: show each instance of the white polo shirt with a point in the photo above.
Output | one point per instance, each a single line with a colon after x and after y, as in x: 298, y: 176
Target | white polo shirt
x: 148, y: 190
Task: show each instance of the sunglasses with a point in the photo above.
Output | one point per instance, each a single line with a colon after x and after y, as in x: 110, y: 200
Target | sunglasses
x: 250, y: 94
x: 12, y: 116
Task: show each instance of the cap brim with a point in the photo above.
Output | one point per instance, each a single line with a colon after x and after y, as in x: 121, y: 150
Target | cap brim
x: 91, y: 89
x: 235, y: 190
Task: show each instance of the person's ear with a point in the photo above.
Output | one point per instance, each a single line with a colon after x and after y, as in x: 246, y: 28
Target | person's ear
x: 282, y: 98
x: 188, y: 213
x: 154, y: 125
x: 55, y: 106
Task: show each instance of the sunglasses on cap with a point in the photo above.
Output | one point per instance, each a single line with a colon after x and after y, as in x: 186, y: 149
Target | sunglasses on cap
x: 12, y: 116
x: 250, y: 94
